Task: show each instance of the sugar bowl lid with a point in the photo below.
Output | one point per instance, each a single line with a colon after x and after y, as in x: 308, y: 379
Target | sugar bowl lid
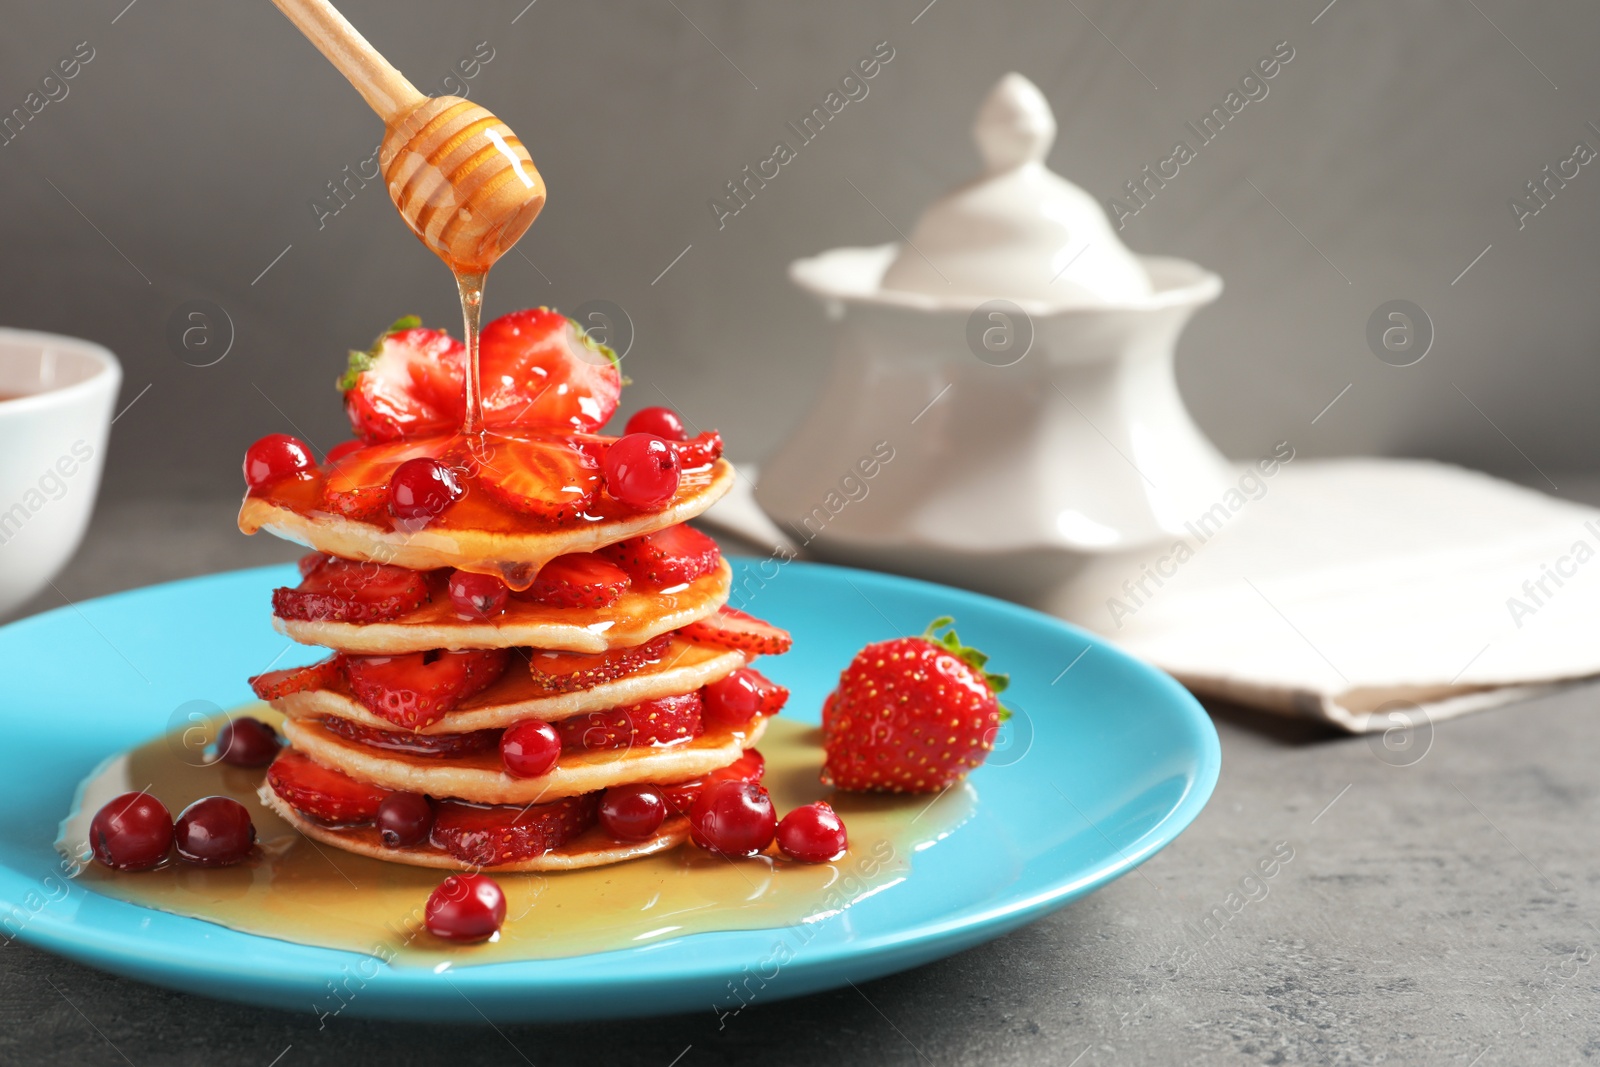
x: 1021, y: 231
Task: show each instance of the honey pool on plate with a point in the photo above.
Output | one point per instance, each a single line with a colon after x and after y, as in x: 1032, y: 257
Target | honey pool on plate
x: 296, y: 890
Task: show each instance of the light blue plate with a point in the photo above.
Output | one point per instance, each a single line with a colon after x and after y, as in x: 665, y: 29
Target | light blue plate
x: 1104, y: 763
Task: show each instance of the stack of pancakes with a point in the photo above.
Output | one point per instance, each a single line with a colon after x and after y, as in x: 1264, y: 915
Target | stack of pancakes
x: 596, y: 672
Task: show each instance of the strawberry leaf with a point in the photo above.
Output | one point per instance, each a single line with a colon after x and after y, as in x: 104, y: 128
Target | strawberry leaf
x: 600, y: 349
x: 359, y: 363
x: 948, y: 640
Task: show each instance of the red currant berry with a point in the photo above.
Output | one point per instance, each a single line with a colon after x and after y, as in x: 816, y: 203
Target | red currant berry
x: 812, y: 834
x: 215, y: 832
x: 247, y: 742
x: 404, y: 819
x: 275, y: 457
x: 641, y: 470
x: 530, y: 749
x: 465, y: 907
x: 477, y: 596
x: 132, y: 832
x: 632, y: 812
x: 421, y: 488
x: 663, y: 422
x: 733, y: 818
x: 731, y: 701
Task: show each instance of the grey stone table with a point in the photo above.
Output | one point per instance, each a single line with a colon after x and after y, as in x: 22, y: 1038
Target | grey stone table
x: 1443, y: 912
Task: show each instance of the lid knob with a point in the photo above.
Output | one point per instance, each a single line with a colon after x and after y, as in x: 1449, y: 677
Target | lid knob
x: 1019, y: 232
x: 1015, y: 125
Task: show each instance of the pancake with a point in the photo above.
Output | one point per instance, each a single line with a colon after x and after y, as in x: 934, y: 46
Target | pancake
x: 632, y: 620
x: 515, y: 556
x: 685, y: 668
x: 592, y: 848
x: 481, y: 779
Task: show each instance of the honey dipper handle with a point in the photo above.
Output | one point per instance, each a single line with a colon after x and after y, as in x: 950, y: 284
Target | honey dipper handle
x: 383, y: 87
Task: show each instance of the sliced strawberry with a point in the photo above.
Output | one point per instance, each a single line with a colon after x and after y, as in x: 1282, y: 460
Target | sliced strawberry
x: 549, y: 478
x: 773, y: 696
x: 680, y: 796
x: 697, y: 452
x: 408, y: 384
x: 341, y: 450
x: 357, y: 486
x: 669, y: 557
x: 345, y: 590
x: 539, y: 369
x: 417, y: 689
x: 322, y: 793
x: 663, y: 721
x: 570, y: 672
x: 441, y: 746
x: 320, y: 675
x: 577, y: 580
x: 311, y: 561
x: 732, y: 628
x: 489, y: 835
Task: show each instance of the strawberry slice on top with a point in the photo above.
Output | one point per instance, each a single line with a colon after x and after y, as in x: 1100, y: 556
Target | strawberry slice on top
x: 674, y: 556
x: 569, y: 672
x: 357, y: 485
x: 418, y: 689
x: 732, y: 628
x: 577, y: 580
x: 539, y: 369
x: 548, y: 478
x: 322, y: 793
x: 347, y: 590
x: 411, y: 382
x: 280, y: 683
x: 662, y: 721
x: 490, y: 835
x: 698, y: 452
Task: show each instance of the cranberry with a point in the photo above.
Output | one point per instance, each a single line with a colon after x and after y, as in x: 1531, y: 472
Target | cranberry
x: 530, y: 748
x: 477, y: 596
x: 733, y: 818
x: 641, y: 470
x: 215, y: 832
x: 812, y: 834
x: 275, y: 457
x: 632, y: 812
x: 731, y: 701
x: 465, y: 907
x: 421, y: 488
x: 404, y: 819
x: 132, y: 832
x: 247, y: 742
x: 662, y: 422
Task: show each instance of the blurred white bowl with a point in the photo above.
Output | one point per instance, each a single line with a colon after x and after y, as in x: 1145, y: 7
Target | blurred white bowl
x: 55, y: 416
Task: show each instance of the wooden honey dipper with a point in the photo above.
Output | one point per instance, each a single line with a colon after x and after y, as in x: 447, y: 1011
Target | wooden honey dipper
x: 462, y: 180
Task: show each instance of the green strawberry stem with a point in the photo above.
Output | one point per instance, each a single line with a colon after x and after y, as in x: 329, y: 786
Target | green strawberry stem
x: 948, y: 640
x: 361, y: 362
x: 599, y: 349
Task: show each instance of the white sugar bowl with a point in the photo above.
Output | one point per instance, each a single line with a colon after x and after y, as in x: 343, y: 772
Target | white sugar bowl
x: 1002, y: 405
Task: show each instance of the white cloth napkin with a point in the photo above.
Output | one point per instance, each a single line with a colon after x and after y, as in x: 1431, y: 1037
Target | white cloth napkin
x: 1368, y: 593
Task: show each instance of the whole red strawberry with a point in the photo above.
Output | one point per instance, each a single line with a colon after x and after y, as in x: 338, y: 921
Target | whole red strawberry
x: 911, y: 715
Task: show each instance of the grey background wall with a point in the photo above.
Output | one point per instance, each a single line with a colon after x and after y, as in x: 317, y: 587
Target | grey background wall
x: 184, y: 158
